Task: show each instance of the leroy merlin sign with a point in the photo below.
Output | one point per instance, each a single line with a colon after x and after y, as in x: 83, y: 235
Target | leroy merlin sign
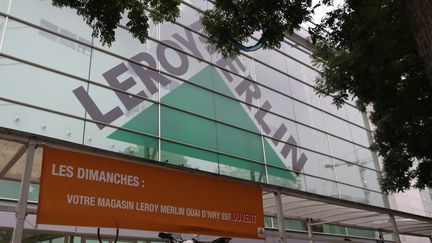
x: 128, y: 76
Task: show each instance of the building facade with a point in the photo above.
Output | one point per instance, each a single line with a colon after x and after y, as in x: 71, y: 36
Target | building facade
x: 175, y: 101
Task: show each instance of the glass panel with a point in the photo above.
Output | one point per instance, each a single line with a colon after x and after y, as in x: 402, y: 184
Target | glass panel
x: 239, y: 143
x: 364, y: 157
x: 334, y: 229
x: 142, y: 118
x: 187, y: 128
x: 359, y: 135
x: 2, y: 20
x: 337, y: 127
x: 51, y: 50
x: 121, y: 141
x: 179, y: 37
x: 241, y: 65
x: 304, y: 93
x: 350, y: 173
x: 127, y: 76
x: 309, y: 115
x: 61, y: 20
x: 271, y: 57
x: 285, y: 178
x: 272, y: 78
x: 189, y: 15
x: 277, y: 103
x: 44, y: 123
x: 362, y: 196
x: 327, y: 104
x: 313, y: 139
x: 318, y: 165
x: 360, y: 232
x: 268, y: 222
x: 31, y: 85
x: 11, y: 190
x: 191, y: 98
x: 322, y: 187
x: 241, y: 169
x: 189, y: 157
x: 278, y: 127
x: 291, y: 224
x: 355, y: 115
x: 235, y: 113
x: 342, y: 149
x: 3, y: 7
x: 127, y: 46
x: 296, y: 53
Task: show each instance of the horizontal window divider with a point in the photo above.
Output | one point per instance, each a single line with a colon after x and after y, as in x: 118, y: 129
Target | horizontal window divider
x: 171, y: 75
x: 185, y: 111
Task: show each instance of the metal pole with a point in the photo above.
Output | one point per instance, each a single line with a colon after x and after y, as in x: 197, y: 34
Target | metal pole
x: 309, y: 229
x: 25, y: 186
x: 395, y: 229
x: 280, y: 217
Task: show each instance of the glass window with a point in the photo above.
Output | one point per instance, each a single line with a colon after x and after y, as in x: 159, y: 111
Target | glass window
x: 26, y: 119
x: 239, y: 143
x: 342, y: 149
x: 337, y: 127
x: 61, y: 20
x: 313, y: 139
x: 322, y: 187
x: 121, y: 141
x: 241, y: 169
x: 366, y: 158
x: 350, y: 173
x: 277, y: 103
x: 355, y: 116
x: 360, y: 135
x: 362, y: 196
x: 142, y: 118
x: 318, y: 165
x: 304, y: 93
x: 51, y: 50
x: 309, y: 115
x: 285, y: 178
x: 3, y: 7
x: 191, y: 98
x: 189, y: 15
x: 189, y: 157
x: 10, y: 189
x: 327, y: 104
x: 278, y: 127
x: 272, y: 78
x: 188, y: 128
x: 178, y: 37
x: 235, y: 113
x: 127, y: 76
x: 31, y: 85
x: 127, y: 46
x: 271, y: 57
x: 294, y: 52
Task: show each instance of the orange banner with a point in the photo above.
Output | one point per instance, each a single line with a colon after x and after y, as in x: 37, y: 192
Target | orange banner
x: 87, y: 190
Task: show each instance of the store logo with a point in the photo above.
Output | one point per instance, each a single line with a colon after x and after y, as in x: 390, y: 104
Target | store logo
x: 149, y: 78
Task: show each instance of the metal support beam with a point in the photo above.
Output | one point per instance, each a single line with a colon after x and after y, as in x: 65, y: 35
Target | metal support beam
x: 25, y: 186
x: 309, y: 229
x: 280, y: 216
x: 13, y: 160
x: 395, y: 229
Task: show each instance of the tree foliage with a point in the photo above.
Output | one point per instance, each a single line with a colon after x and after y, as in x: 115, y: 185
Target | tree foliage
x: 366, y: 48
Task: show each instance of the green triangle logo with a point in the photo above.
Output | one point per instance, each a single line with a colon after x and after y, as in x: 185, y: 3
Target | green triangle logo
x: 205, y: 103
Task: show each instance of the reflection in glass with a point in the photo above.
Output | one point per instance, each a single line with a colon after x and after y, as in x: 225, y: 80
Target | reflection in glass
x: 40, y: 122
x: 239, y: 143
x: 318, y: 165
x: 188, y: 128
x: 189, y: 157
x: 32, y: 85
x: 43, y: 13
x: 51, y: 50
x: 241, y: 169
x: 320, y: 186
x: 121, y: 141
x: 285, y: 178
